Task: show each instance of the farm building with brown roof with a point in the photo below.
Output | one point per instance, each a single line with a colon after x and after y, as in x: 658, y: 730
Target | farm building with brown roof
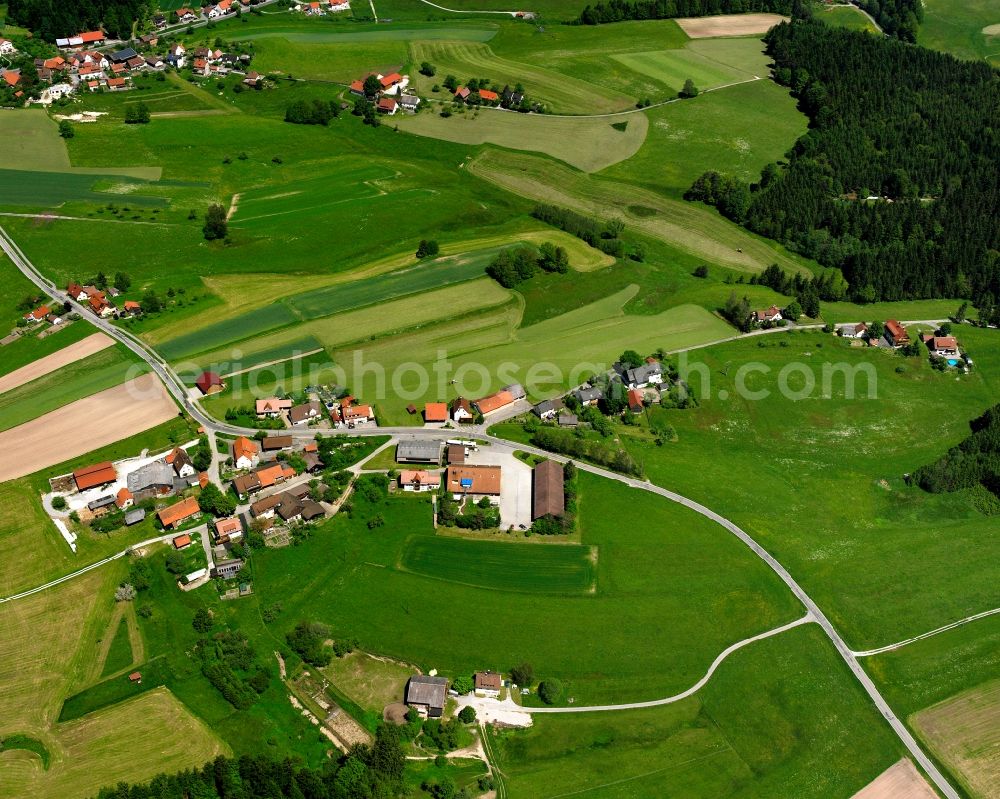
x: 95, y: 475
x: 547, y: 498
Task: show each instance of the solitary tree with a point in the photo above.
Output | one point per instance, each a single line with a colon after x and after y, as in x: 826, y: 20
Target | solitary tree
x: 689, y: 90
x: 122, y: 281
x: 523, y: 674
x: 427, y: 68
x: 202, y: 621
x: 467, y: 714
x: 66, y: 130
x: 550, y: 691
x: 124, y: 593
x: 372, y: 86
x: 216, y: 226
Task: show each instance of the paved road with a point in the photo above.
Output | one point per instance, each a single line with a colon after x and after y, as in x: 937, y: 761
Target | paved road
x: 179, y: 391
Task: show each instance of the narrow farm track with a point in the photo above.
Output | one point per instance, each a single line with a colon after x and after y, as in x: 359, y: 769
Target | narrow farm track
x: 928, y: 634
x: 180, y: 392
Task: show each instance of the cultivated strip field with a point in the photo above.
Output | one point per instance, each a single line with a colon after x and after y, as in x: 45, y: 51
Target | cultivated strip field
x: 81, y: 349
x: 121, y: 412
x: 590, y: 144
x: 899, y: 781
x: 729, y: 25
x: 965, y: 733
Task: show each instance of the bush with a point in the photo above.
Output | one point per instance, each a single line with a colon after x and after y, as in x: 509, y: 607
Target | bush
x: 462, y: 684
x: 59, y: 503
x: 308, y: 642
x: 467, y: 714
x: 549, y: 691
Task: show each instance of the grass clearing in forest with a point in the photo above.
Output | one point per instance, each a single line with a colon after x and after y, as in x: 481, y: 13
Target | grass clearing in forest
x: 969, y: 29
x: 847, y: 16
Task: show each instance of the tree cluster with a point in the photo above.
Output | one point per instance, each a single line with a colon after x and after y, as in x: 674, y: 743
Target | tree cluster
x: 308, y: 640
x: 621, y: 10
x: 567, y: 443
x: 312, y: 112
x: 895, y: 182
x: 362, y: 773
x: 216, y: 223
x: 973, y: 462
x: 829, y: 286
x: 899, y: 18
x: 604, y: 237
x: 136, y: 114
x: 213, y: 500
x: 230, y: 664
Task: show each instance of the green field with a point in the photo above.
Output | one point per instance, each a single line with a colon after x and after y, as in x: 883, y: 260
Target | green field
x: 968, y: 29
x: 559, y: 93
x: 849, y: 17
x: 703, y: 592
x: 104, y: 369
x: 737, y: 130
x: 502, y: 566
x: 782, y: 717
x: 120, y: 652
x: 710, y: 63
x: 589, y: 144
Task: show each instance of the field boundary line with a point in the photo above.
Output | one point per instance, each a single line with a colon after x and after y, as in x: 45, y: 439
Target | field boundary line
x: 272, y: 363
x: 899, y: 644
x: 461, y: 11
x: 638, y: 776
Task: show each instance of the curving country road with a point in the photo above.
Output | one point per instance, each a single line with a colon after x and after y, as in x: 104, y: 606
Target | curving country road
x: 180, y: 393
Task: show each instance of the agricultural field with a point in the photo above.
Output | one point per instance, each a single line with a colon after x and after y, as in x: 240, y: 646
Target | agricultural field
x: 587, y: 143
x: 782, y: 717
x: 964, y: 732
x: 502, y: 566
x: 710, y: 63
x: 369, y: 681
x: 74, y: 381
x: 65, y: 356
x: 671, y: 598
x: 729, y: 25
x: 970, y: 29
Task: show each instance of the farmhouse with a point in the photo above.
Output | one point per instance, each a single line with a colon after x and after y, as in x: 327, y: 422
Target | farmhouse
x: 132, y: 308
x: 124, y: 498
x: 178, y: 512
x: 895, y: 334
x: 650, y: 373
x: 275, y: 443
x: 462, y: 93
x: 417, y: 451
x: 7, y: 47
x: 860, y: 330
x: 386, y: 105
x: 547, y: 498
x: 312, y: 461
x: 587, y: 396
x: 389, y: 81
x: 37, y: 315
x: 263, y: 478
x: 461, y: 410
x: 98, y: 474
x: 152, y: 479
x: 244, y: 453
x: 419, y: 481
x: 181, y: 463
x: 427, y: 694
x: 209, y: 383
x: 772, y: 314
x: 409, y: 102
x: 264, y: 509
x: 635, y: 400
x: 547, y: 409
x: 487, y: 683
x: 356, y: 414
x: 494, y: 402
x: 473, y: 482
x: 436, y: 412
x: 358, y: 88
x: 272, y: 407
x: 228, y: 529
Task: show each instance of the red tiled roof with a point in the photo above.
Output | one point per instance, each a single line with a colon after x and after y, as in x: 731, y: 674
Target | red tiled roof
x: 436, y: 412
x: 484, y: 479
x: 391, y: 80
x: 486, y: 94
x: 243, y: 447
x: 92, y: 36
x: 95, y: 475
x: 897, y: 331
x: 228, y: 526
x: 182, y: 541
x: 207, y: 380
x: 124, y: 495
x: 178, y: 512
x: 494, y: 402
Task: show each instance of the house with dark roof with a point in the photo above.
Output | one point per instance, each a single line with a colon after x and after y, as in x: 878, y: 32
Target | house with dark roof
x: 416, y: 450
x: 649, y: 373
x: 461, y: 411
x: 427, y: 694
x: 547, y: 409
x: 305, y: 413
x: 156, y: 478
x: 587, y: 396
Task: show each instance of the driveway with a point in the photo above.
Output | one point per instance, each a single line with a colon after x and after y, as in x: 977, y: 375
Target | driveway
x: 515, y: 484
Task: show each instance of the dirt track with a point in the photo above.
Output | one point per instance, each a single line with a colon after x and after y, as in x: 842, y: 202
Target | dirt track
x: 74, y: 352
x: 85, y: 425
x: 729, y: 25
x: 900, y: 781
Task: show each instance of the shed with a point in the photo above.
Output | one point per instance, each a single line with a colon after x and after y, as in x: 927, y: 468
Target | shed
x: 547, y: 498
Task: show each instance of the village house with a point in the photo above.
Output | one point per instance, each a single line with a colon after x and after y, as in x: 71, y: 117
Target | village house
x: 303, y: 414
x: 944, y: 346
x: 98, y: 474
x: 462, y: 93
x: 547, y: 409
x: 265, y: 477
x: 180, y: 462
x: 272, y: 407
x: 277, y: 443
x: 386, y: 105
x: 253, y: 79
x: 474, y: 482
x: 179, y: 512
x: 354, y: 415
x: 588, y: 396
x: 547, y: 495
x: 649, y: 373
x: 487, y: 683
x: 312, y: 461
x: 461, y: 411
x: 418, y: 451
x: 859, y: 330
x: 358, y: 88
x: 227, y: 530
x: 181, y: 541
x: 37, y: 315
x: 635, y: 400
x: 772, y: 314
x: 7, y: 47
x: 124, y: 499
x: 244, y: 453
x: 409, y: 103
x: 419, y: 481
x: 227, y: 569
x: 209, y: 383
x: 895, y: 334
x: 186, y: 15
x: 11, y: 77
x: 132, y: 308
x: 427, y: 695
x: 265, y: 508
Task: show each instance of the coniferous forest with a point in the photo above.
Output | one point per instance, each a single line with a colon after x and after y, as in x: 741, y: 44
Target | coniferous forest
x: 918, y: 131
x: 53, y: 19
x: 620, y: 10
